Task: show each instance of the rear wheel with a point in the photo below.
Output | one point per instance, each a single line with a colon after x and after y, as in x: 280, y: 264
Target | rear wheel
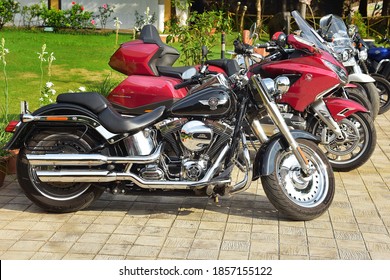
x: 296, y: 196
x: 55, y: 197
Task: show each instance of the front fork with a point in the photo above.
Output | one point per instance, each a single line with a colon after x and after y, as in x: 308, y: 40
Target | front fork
x: 323, y: 113
x: 278, y: 120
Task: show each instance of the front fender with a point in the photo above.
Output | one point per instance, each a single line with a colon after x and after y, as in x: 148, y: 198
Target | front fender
x: 264, y: 163
x: 25, y: 129
x: 360, y: 78
x: 341, y: 108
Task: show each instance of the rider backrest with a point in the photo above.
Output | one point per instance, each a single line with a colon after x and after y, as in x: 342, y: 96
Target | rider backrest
x: 167, y: 55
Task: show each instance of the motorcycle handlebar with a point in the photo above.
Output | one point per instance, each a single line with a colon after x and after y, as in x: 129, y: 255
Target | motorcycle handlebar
x: 187, y: 83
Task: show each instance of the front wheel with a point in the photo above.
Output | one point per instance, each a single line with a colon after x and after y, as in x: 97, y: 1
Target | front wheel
x: 294, y: 195
x: 354, y: 148
x: 373, y: 95
x: 383, y: 86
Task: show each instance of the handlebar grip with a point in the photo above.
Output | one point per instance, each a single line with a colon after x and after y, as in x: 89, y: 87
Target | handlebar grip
x: 185, y: 83
x: 262, y: 46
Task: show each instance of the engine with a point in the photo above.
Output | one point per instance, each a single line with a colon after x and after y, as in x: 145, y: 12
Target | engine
x: 194, y: 144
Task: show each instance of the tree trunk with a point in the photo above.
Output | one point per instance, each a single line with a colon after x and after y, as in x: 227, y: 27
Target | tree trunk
x: 258, y: 18
x: 385, y: 8
x: 363, y: 8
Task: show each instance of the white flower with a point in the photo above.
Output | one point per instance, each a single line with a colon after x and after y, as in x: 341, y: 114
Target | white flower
x: 41, y: 99
x: 52, y: 91
x: 49, y: 84
x: 45, y: 95
x: 82, y: 89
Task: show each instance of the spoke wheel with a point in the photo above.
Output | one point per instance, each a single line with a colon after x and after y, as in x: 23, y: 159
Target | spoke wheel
x: 296, y: 196
x: 55, y: 197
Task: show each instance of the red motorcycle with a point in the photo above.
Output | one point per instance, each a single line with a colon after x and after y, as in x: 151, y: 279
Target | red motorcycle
x: 347, y: 132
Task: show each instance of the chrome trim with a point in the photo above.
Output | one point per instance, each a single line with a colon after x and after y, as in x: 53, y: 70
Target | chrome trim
x: 320, y: 108
x: 277, y: 118
x: 325, y: 92
x: 94, y: 176
x: 89, y: 159
x: 380, y: 64
x: 247, y: 180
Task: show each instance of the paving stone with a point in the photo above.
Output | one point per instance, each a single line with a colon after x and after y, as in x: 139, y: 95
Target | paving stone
x: 242, y: 227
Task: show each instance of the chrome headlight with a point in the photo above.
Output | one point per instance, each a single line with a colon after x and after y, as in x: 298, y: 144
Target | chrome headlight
x: 340, y: 71
x: 277, y: 87
x: 363, y: 55
x: 270, y: 85
x: 282, y: 84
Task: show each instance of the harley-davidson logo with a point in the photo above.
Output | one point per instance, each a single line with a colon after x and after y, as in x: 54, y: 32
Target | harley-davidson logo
x: 213, y: 102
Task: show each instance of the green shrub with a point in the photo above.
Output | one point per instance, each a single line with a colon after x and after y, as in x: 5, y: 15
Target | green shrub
x: 198, y: 32
x: 8, y: 9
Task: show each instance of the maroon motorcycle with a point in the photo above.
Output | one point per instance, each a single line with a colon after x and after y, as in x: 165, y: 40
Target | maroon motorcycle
x: 345, y: 127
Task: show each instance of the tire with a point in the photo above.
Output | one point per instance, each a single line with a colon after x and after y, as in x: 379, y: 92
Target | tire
x: 345, y: 155
x: 373, y: 96
x: 358, y: 95
x: 56, y: 197
x: 384, y: 90
x: 313, y: 197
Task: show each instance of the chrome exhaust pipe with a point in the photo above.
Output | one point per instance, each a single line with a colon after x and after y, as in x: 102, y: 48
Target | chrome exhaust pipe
x: 104, y: 176
x: 247, y: 180
x: 89, y: 159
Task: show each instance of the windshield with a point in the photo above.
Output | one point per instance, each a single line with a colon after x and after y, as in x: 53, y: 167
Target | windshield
x: 334, y: 29
x: 308, y: 33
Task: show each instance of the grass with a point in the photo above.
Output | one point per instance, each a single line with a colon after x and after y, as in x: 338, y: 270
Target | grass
x: 81, y: 60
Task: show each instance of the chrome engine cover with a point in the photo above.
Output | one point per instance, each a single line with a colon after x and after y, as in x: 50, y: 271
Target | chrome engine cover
x: 196, y: 136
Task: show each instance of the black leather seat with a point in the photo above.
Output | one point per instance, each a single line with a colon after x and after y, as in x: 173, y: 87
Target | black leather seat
x: 108, y: 116
x: 175, y: 72
x: 230, y: 66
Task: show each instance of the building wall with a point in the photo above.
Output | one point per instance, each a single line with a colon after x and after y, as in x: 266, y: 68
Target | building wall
x: 124, y: 9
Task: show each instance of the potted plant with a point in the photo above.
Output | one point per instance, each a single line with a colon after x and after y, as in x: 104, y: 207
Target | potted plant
x: 4, y: 155
x: 4, y: 136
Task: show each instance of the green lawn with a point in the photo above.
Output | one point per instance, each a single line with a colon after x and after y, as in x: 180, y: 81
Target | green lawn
x: 81, y: 60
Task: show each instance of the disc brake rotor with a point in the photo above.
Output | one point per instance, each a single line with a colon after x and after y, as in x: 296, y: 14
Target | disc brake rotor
x: 345, y: 146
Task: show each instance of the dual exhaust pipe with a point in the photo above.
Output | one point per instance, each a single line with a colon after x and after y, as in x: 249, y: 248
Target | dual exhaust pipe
x: 106, y: 176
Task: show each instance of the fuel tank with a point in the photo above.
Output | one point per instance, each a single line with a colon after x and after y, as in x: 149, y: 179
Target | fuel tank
x: 379, y: 53
x: 213, y: 102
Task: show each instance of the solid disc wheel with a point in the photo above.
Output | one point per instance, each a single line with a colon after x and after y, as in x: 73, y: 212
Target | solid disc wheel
x: 383, y: 86
x: 357, y: 145
x: 55, y: 197
x: 296, y: 196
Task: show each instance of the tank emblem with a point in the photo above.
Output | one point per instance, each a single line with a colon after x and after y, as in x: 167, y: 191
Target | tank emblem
x: 213, y: 102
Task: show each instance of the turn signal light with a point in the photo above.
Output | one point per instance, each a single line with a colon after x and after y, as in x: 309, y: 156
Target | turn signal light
x: 11, y: 127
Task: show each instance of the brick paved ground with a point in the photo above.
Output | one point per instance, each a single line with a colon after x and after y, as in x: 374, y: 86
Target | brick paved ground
x: 245, y: 226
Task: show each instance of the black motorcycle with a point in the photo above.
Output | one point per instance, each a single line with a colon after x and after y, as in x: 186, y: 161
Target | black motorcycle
x: 74, y: 150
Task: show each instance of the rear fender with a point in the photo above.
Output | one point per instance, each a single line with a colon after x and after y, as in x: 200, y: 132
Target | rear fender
x: 264, y: 163
x: 360, y: 78
x: 341, y: 108
x: 25, y: 129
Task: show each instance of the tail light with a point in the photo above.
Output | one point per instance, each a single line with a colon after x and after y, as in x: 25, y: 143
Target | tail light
x: 11, y: 127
